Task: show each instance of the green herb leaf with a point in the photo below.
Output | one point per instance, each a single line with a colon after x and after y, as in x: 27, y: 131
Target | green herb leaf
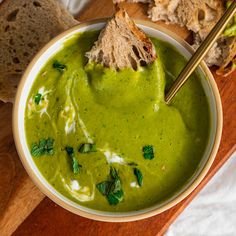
x: 37, y: 98
x: 113, y: 173
x: 139, y: 176
x: 112, y: 189
x: 104, y: 187
x: 49, y: 143
x: 44, y: 147
x: 42, y: 143
x: 115, y: 197
x: 119, y: 195
x: 116, y: 185
x: 112, y: 199
x: 148, y: 152
x: 148, y: 149
x: 50, y: 152
x: 75, y: 164
x: 148, y: 156
x: 87, y: 148
x: 36, y: 151
x: 59, y: 66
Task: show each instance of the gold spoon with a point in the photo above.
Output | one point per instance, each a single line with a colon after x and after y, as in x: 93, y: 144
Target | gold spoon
x: 201, y: 52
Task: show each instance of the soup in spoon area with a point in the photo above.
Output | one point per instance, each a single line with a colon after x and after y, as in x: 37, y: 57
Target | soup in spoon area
x: 105, y: 139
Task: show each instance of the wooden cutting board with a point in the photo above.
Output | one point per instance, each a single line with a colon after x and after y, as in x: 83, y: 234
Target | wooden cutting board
x: 19, y: 196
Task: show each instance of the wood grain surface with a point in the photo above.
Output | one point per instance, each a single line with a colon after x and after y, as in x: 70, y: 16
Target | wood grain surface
x: 18, y: 195
x: 21, y: 196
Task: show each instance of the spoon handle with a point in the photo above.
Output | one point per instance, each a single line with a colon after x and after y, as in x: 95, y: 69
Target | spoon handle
x: 201, y: 52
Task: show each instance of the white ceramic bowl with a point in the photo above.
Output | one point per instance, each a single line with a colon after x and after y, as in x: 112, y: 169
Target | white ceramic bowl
x: 27, y: 81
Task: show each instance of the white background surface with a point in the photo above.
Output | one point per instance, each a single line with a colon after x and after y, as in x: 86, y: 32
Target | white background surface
x: 213, y: 211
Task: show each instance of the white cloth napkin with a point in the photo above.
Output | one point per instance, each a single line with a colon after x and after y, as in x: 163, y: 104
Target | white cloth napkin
x: 213, y: 211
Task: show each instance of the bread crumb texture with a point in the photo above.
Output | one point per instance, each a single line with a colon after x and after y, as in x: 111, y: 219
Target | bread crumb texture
x: 26, y: 26
x: 199, y: 16
x: 122, y: 35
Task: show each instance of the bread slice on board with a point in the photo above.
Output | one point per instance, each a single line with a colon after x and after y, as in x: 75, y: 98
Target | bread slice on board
x: 165, y: 10
x: 26, y: 26
x: 132, y: 1
x: 122, y: 44
x: 198, y: 16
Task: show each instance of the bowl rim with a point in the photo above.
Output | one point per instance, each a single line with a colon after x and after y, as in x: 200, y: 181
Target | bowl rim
x: 117, y: 218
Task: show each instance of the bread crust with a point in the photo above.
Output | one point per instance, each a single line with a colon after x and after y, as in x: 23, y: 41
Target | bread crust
x: 199, y: 16
x: 122, y: 35
x: 26, y: 26
x: 229, y: 63
x: 132, y: 1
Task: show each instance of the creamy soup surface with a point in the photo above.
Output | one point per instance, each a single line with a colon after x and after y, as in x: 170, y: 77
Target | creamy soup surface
x: 105, y: 139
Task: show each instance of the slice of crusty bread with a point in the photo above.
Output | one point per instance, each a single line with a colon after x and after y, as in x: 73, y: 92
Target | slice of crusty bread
x: 165, y: 10
x: 122, y: 44
x: 221, y: 51
x: 198, y: 16
x: 26, y: 26
x: 132, y: 1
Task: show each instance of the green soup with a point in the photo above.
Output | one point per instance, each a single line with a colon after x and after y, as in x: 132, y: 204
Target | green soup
x: 153, y: 148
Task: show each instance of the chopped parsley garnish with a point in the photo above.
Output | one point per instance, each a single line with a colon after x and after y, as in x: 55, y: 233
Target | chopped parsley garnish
x: 75, y: 165
x: 112, y: 188
x: 87, y: 148
x: 113, y: 173
x: 139, y: 176
x: 44, y: 147
x: 148, y: 152
x: 37, y: 98
x: 59, y: 66
x: 104, y: 187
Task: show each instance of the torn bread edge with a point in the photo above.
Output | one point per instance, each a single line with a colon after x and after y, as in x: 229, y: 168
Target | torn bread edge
x: 121, y: 44
x: 199, y: 16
